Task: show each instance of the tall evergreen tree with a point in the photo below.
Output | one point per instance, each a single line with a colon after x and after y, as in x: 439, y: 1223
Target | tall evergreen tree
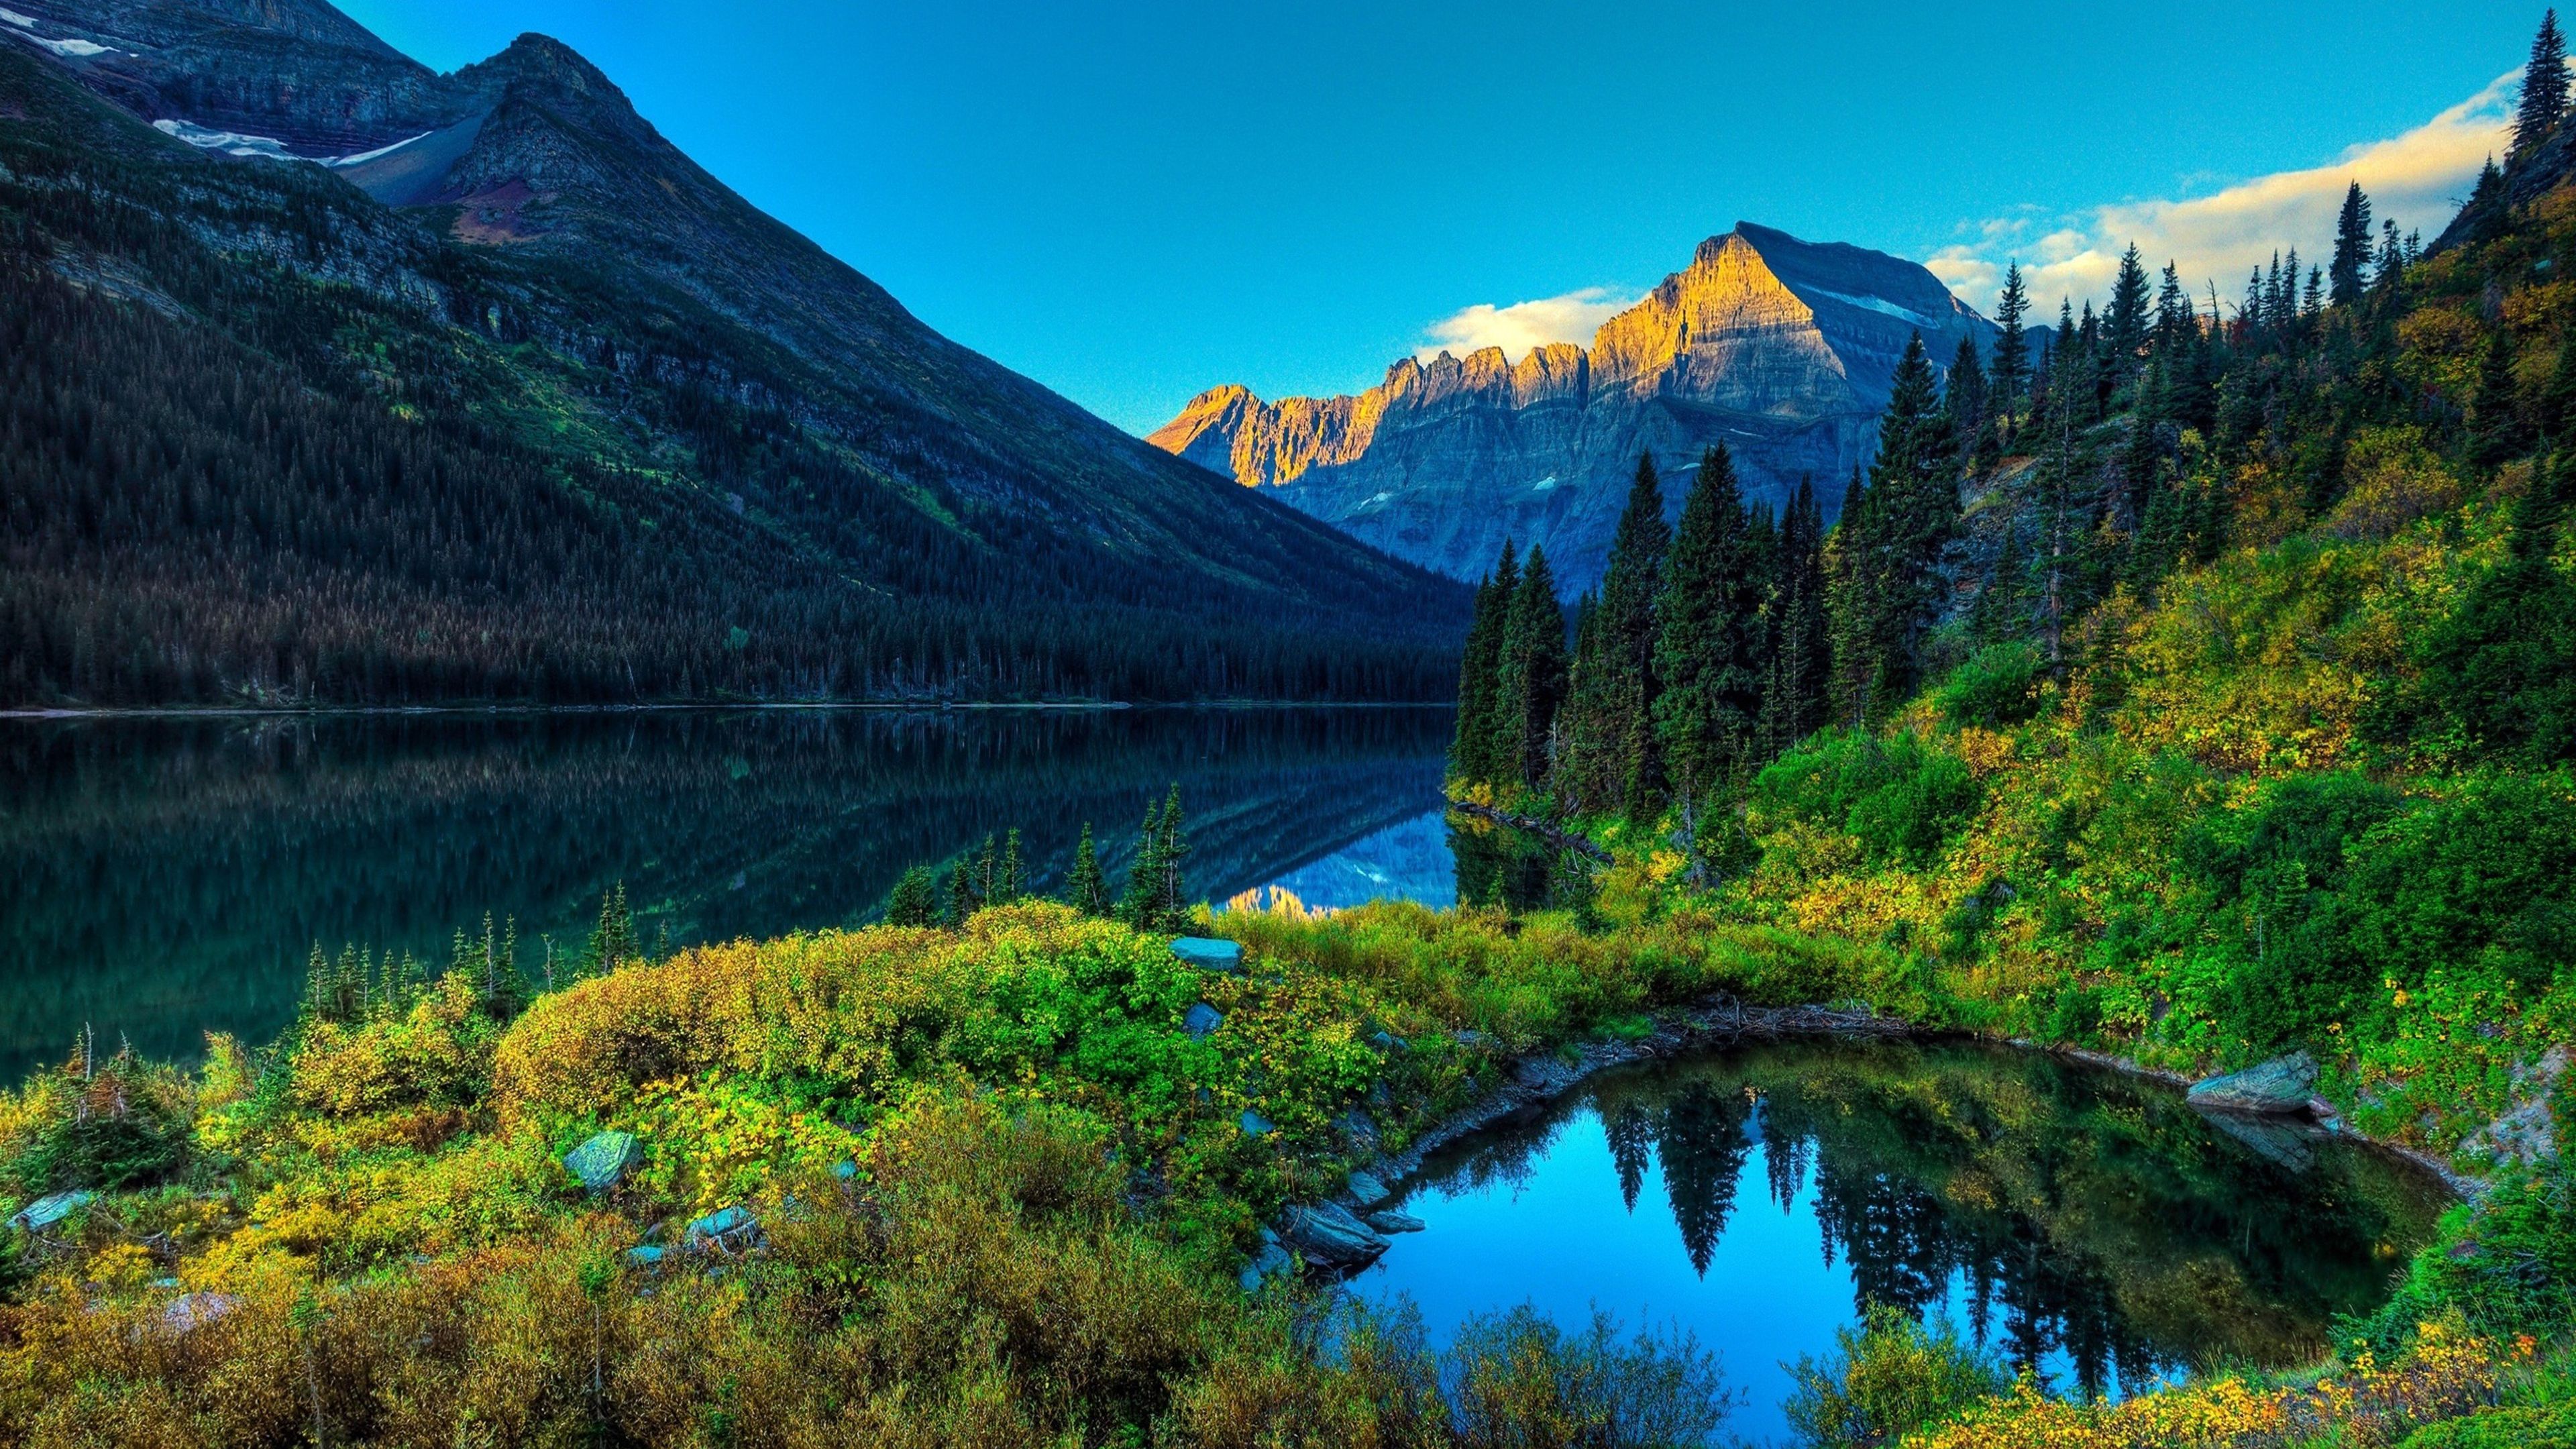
x: 2012, y: 349
x: 1530, y: 686
x: 2495, y: 415
x: 1141, y: 905
x: 2352, y: 247
x: 2544, y: 88
x: 1800, y: 662
x: 612, y: 939
x: 914, y: 901
x: 1611, y: 760
x: 1881, y: 582
x: 2124, y: 326
x: 1086, y: 889
x: 1471, y: 749
x: 1708, y: 636
x: 1965, y: 395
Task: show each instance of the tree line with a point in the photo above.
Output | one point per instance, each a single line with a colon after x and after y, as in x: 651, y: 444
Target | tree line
x: 2114, y: 446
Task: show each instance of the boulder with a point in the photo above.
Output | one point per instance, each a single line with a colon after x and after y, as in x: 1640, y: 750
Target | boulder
x: 1358, y: 1127
x: 731, y: 1229
x: 1388, y: 1220
x: 46, y: 1211
x: 1266, y: 1264
x: 645, y: 1255
x: 603, y: 1162
x: 1389, y: 1042
x: 1366, y: 1190
x: 1202, y: 1019
x: 1208, y: 954
x: 1254, y: 1124
x: 1330, y: 1235
x: 2280, y: 1087
x: 195, y: 1310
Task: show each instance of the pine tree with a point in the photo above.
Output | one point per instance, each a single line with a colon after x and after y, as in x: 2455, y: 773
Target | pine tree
x: 1141, y: 905
x: 1014, y: 882
x: 2352, y: 247
x: 1706, y: 647
x: 1471, y: 750
x: 2490, y: 208
x: 1086, y: 889
x: 2012, y: 349
x: 1965, y: 397
x: 2124, y: 326
x: 1795, y: 688
x: 2495, y: 422
x: 988, y: 873
x: 914, y: 901
x: 1531, y: 683
x: 1610, y: 760
x: 2544, y: 89
x: 1171, y: 893
x: 1882, y: 593
x: 963, y: 902
x: 612, y: 940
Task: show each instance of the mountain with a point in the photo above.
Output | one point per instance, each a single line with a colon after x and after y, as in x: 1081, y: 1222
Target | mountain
x: 652, y: 443
x: 1779, y: 348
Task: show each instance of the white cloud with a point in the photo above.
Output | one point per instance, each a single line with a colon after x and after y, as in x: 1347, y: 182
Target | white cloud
x: 2416, y: 179
x: 1522, y: 326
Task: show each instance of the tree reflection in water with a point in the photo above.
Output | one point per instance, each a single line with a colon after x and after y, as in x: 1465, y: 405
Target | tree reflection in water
x: 2083, y: 1225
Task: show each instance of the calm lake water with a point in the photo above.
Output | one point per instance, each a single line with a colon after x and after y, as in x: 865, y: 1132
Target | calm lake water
x: 2074, y: 1221
x: 163, y: 877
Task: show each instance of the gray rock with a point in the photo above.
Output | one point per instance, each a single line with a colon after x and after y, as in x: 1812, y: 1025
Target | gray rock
x: 731, y: 1229
x: 191, y: 1311
x: 1366, y: 1190
x: 1266, y: 1264
x: 46, y: 1211
x: 1471, y: 1039
x: 1358, y: 1126
x: 1389, y: 1042
x: 1254, y: 1124
x: 1202, y: 1019
x: 1388, y: 1220
x: 645, y: 1255
x: 1208, y: 954
x: 2280, y: 1086
x: 1330, y: 1235
x: 603, y: 1162
x: 2291, y: 1144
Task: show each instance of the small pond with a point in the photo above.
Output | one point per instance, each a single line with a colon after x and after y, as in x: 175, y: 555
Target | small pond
x: 2074, y: 1221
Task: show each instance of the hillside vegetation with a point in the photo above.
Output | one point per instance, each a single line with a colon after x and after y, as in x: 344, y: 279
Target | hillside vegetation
x: 264, y: 439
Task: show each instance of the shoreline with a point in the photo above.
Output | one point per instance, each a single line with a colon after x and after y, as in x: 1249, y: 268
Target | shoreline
x: 396, y: 711
x: 1537, y: 1079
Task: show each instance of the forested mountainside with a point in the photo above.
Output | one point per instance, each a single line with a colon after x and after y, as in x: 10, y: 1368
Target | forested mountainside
x: 2211, y: 694
x: 552, y: 415
x: 1784, y: 350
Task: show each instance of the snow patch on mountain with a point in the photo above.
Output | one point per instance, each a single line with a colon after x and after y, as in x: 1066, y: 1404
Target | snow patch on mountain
x: 235, y: 143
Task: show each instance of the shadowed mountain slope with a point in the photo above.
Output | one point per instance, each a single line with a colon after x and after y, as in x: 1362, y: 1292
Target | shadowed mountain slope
x: 760, y: 475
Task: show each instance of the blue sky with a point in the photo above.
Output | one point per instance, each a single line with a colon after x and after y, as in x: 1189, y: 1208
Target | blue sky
x: 1133, y: 202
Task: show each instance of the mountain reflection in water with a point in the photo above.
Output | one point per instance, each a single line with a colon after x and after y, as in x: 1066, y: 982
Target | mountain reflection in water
x: 161, y: 877
x: 2083, y: 1225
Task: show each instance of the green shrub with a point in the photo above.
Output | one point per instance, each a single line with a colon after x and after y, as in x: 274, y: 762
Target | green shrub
x: 1889, y: 1377
x: 1903, y: 798
x: 1999, y: 685
x: 1517, y: 1379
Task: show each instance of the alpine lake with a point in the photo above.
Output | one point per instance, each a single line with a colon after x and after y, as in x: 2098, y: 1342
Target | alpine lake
x: 163, y: 877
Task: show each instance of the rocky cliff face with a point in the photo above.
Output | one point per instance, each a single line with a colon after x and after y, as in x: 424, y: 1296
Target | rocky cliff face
x: 1782, y: 349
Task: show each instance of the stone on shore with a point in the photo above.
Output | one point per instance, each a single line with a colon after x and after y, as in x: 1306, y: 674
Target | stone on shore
x: 2279, y: 1087
x: 1208, y: 954
x: 1269, y: 1263
x: 46, y: 1211
x: 1202, y: 1019
x: 603, y: 1162
x: 1330, y: 1235
x: 1388, y: 1220
x: 1366, y: 1190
